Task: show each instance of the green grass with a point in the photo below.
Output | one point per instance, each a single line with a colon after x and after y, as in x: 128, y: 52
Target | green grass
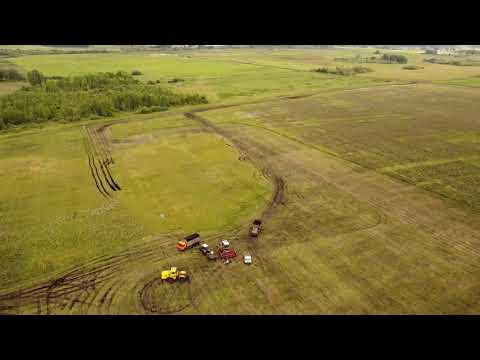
x: 52, y: 216
x: 154, y: 66
x: 312, y: 59
x: 206, y: 190
x: 470, y: 82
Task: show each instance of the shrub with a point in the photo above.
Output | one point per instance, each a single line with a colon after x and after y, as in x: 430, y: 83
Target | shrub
x: 323, y: 70
x: 10, y: 75
x: 394, y: 58
x: 136, y: 73
x: 384, y: 59
x: 361, y: 69
x: 412, y: 67
x: 35, y: 77
x: 174, y: 81
x: 343, y: 71
x: 14, y: 116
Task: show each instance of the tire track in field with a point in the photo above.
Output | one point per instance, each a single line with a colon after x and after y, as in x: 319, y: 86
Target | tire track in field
x: 73, y: 287
x: 87, y: 150
x: 279, y: 195
x: 437, y: 238
x: 97, y: 150
x: 92, y: 153
x: 102, y: 166
x: 265, y: 168
x: 92, y: 287
x: 100, y: 180
x: 106, y: 159
x: 68, y: 289
x: 112, y: 180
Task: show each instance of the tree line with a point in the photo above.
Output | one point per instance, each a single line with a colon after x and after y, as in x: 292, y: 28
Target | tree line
x: 10, y: 52
x: 343, y: 71
x: 11, y: 75
x: 464, y: 62
x: 81, y: 82
x: 394, y: 58
x: 85, y: 97
x: 384, y: 59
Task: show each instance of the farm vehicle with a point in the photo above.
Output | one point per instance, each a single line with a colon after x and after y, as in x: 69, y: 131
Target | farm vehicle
x: 174, y: 275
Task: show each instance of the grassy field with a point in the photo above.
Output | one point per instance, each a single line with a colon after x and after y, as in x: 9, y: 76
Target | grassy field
x: 423, y: 134
x: 305, y: 60
x: 52, y: 216
x: 390, y: 239
x: 219, y: 79
x: 367, y: 187
x: 470, y: 82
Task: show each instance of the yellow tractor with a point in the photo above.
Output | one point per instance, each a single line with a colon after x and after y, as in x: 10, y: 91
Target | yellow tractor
x: 174, y: 275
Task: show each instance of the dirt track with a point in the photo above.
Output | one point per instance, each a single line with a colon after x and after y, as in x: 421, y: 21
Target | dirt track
x: 262, y: 166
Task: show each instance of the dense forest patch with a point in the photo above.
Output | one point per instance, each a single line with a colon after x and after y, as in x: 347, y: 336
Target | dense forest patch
x: 86, y: 96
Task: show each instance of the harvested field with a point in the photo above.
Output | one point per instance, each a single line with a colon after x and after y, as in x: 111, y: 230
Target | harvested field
x: 394, y: 130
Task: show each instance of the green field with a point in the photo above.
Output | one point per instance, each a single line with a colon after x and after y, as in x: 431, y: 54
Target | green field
x: 218, y: 79
x: 53, y: 210
x: 366, y: 184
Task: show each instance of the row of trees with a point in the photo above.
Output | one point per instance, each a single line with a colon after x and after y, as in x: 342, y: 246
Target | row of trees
x: 384, y: 59
x: 11, y: 52
x: 448, y: 62
x: 345, y: 71
x: 11, y: 75
x: 75, y: 98
x: 394, y: 58
x: 81, y: 82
